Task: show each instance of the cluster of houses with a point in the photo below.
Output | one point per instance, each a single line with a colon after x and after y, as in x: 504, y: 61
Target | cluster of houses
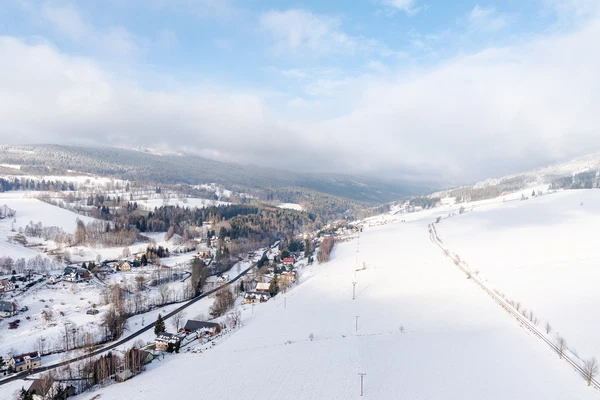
x: 196, y: 328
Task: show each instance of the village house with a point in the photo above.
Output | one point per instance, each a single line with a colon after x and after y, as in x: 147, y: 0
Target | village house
x: 25, y: 362
x: 163, y: 340
x: 288, y: 262
x: 76, y: 274
x: 210, y: 328
x: 39, y: 391
x: 262, y: 287
x: 7, y: 309
x: 256, y: 297
x: 204, y: 253
x: 148, y: 357
x: 288, y: 277
x: 124, y: 266
x: 6, y: 286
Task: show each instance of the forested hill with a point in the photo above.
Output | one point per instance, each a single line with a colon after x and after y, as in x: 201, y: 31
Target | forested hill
x: 192, y: 169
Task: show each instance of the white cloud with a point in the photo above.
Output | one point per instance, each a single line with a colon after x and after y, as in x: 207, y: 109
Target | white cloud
x: 499, y: 110
x: 302, y: 32
x: 67, y: 20
x: 486, y: 19
x: 407, y: 6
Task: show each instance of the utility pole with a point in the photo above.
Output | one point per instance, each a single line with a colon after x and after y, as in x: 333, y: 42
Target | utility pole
x: 356, y: 328
x: 353, y: 290
x: 362, y: 375
x: 285, y: 302
x: 252, y: 308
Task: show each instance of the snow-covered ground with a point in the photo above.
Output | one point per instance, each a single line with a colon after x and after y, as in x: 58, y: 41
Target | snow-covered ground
x: 30, y: 209
x: 542, y: 253
x: 424, y: 332
x: 191, y: 202
x: 291, y: 206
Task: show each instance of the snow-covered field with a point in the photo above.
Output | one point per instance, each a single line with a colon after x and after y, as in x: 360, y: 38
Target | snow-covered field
x: 187, y: 202
x: 30, y: 209
x: 542, y: 253
x: 424, y: 332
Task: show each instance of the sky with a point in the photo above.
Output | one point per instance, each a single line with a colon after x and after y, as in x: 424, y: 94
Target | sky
x: 451, y: 91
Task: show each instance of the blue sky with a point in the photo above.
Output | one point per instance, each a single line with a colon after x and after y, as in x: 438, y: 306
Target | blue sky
x: 386, y: 82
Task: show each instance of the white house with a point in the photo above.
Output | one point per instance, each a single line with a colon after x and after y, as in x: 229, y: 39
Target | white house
x: 6, y: 286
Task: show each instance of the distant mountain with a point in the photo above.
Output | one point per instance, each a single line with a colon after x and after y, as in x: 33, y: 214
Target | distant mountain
x: 580, y: 173
x: 150, y: 165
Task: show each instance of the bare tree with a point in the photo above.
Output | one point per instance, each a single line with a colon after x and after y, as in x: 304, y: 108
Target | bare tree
x: 126, y: 253
x: 46, y: 382
x: 178, y: 320
x: 165, y: 293
x: 140, y: 281
x: 548, y: 328
x: 224, y: 300
x: 590, y: 368
x: 47, y: 314
x: 41, y: 344
x: 561, y: 345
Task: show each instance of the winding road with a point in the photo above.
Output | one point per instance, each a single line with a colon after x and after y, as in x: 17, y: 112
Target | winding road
x: 24, y: 374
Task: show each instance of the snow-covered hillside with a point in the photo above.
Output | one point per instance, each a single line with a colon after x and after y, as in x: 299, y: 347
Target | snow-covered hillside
x: 542, y: 253
x: 424, y: 332
x: 29, y: 209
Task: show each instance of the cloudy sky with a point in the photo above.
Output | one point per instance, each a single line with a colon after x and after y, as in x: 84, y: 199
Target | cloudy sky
x: 447, y: 90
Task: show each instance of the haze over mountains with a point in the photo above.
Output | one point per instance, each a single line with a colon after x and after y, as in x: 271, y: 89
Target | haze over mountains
x: 183, y: 168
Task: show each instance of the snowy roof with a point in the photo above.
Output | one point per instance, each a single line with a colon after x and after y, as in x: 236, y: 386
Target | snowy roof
x: 192, y: 325
x: 262, y: 286
x: 6, y: 306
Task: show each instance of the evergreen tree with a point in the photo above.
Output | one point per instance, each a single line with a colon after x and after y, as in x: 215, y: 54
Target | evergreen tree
x: 241, y: 286
x: 26, y: 395
x: 159, y: 327
x: 273, y: 287
x: 177, y: 346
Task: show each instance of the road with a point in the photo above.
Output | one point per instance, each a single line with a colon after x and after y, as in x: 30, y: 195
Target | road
x: 24, y: 374
x: 526, y: 323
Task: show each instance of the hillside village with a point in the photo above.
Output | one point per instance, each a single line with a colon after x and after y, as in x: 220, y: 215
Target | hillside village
x: 61, y: 302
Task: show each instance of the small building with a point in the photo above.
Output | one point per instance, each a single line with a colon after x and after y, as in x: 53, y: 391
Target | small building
x: 7, y: 309
x: 124, y: 266
x: 288, y: 277
x: 25, y: 362
x: 147, y: 357
x: 262, y: 287
x: 223, y: 278
x: 76, y: 274
x: 123, y: 375
x: 6, y: 286
x: 204, y: 253
x: 39, y: 391
x: 256, y: 297
x: 211, y: 328
x: 288, y: 261
x: 163, y: 340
